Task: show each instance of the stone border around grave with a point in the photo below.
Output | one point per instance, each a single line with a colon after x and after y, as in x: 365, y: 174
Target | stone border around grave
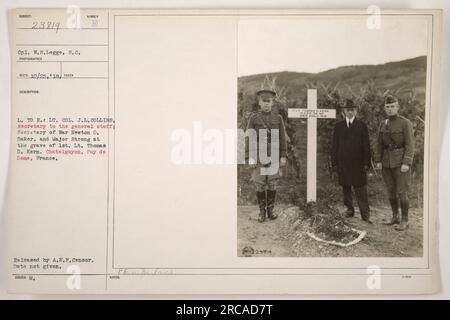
x: 362, y: 234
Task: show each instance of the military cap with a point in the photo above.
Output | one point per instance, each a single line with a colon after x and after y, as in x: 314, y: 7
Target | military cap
x: 266, y: 93
x: 390, y: 99
x: 349, y: 104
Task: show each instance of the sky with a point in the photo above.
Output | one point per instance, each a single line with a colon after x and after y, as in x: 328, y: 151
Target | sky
x: 315, y: 44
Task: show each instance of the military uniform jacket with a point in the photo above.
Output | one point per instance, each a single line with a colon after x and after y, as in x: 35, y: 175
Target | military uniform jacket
x: 269, y: 121
x: 351, y: 152
x: 395, y: 143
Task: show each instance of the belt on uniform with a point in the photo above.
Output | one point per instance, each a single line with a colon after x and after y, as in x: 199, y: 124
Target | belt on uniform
x: 393, y: 147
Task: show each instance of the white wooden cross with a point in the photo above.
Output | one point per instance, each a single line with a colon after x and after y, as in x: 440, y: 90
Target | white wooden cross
x: 312, y: 113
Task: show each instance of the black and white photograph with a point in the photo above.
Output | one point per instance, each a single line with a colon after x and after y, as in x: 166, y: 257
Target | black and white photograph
x: 347, y: 97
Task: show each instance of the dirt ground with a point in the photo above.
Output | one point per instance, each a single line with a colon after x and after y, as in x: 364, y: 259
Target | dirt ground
x: 286, y: 236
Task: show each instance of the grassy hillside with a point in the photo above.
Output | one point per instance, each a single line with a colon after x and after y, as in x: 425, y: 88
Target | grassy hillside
x: 399, y: 76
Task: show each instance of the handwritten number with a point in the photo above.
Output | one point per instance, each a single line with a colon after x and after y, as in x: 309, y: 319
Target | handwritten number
x: 49, y: 25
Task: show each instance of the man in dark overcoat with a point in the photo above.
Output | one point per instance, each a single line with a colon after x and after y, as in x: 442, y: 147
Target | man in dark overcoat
x: 351, y: 159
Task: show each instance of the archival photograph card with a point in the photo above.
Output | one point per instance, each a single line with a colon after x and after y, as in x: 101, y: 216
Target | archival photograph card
x: 223, y: 151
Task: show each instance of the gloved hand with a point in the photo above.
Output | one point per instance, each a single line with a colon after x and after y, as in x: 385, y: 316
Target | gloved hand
x: 334, y: 176
x: 252, y: 163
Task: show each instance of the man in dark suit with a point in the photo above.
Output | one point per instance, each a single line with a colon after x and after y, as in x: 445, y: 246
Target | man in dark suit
x: 351, y: 159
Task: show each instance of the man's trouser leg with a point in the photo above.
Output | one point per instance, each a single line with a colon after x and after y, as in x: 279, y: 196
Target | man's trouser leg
x: 271, y: 194
x: 260, y: 182
x: 261, y: 196
x: 390, y: 180
x: 348, y: 200
x: 402, y: 185
x: 363, y: 202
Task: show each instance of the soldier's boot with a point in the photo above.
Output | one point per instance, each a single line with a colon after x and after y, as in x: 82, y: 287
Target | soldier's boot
x: 271, y: 204
x: 404, y: 224
x: 261, y: 196
x: 395, y: 216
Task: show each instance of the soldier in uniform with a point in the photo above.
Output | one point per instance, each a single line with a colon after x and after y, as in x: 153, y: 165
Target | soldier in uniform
x: 394, y: 155
x: 351, y: 159
x: 266, y: 125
